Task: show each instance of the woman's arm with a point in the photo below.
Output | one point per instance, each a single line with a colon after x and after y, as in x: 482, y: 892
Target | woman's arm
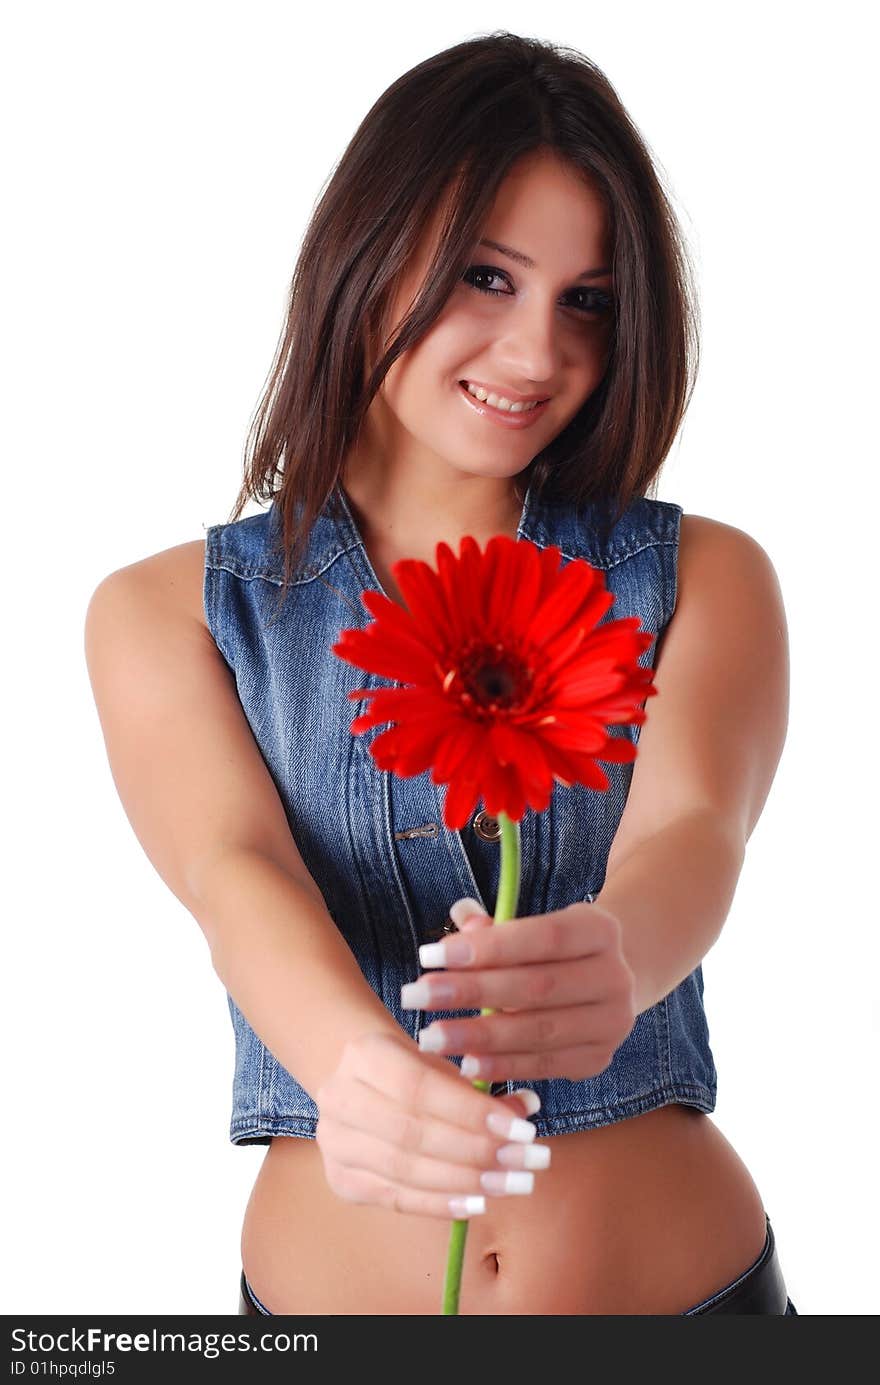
x: 707, y: 756
x: 396, y: 1127
x: 281, y: 957
x: 206, y: 811
x: 671, y: 895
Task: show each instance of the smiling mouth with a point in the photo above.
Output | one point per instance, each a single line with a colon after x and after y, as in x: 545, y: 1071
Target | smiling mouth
x: 514, y: 406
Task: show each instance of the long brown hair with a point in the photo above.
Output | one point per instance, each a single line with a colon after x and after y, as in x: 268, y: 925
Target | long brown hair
x: 444, y: 135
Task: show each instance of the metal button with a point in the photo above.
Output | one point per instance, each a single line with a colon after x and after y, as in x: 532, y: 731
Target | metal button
x: 430, y: 829
x: 447, y: 927
x: 487, y: 828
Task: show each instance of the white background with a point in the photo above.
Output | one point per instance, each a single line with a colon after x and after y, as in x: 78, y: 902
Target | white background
x: 160, y: 164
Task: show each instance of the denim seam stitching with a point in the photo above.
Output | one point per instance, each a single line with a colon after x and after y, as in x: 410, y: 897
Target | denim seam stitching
x: 561, y: 1122
x: 298, y: 578
x: 329, y: 557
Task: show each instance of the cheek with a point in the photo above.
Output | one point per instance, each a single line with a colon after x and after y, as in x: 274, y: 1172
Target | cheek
x: 438, y: 361
x: 411, y: 385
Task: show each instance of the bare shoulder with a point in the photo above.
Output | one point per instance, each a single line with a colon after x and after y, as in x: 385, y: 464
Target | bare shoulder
x: 721, y: 570
x: 184, y: 758
x: 174, y: 578
x: 712, y: 542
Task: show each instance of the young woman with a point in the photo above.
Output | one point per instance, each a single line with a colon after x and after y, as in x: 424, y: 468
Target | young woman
x: 491, y: 331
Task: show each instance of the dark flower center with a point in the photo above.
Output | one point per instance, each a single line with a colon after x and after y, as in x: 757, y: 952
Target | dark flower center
x: 490, y: 678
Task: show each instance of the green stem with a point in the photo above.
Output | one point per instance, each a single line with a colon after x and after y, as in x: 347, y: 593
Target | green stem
x: 505, y: 908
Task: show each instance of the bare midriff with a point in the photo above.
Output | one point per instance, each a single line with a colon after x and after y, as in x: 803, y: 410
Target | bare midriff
x: 649, y: 1215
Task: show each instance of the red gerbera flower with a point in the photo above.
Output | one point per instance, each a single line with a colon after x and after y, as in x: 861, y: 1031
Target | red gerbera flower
x: 510, y: 681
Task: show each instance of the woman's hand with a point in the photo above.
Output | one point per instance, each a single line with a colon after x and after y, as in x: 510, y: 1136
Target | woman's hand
x: 560, y: 982
x: 399, y: 1128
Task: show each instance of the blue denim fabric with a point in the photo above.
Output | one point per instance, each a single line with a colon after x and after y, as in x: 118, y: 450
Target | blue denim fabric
x: 375, y: 842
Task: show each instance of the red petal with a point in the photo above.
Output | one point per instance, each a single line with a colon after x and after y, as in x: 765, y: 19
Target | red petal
x: 423, y: 593
x: 459, y: 745
x: 404, y: 750
x: 504, y: 794
x: 585, y: 735
x: 574, y: 587
x: 578, y: 635
x: 522, y: 749
x: 462, y: 797
x: 619, y: 750
x: 390, y: 654
x: 513, y: 582
x: 572, y: 768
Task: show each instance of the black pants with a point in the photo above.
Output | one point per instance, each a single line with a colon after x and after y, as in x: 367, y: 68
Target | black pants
x: 760, y: 1289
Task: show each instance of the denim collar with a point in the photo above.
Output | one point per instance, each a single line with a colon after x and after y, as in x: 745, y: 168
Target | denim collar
x: 576, y: 532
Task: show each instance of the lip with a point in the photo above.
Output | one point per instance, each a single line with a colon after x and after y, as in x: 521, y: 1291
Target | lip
x: 507, y: 394
x: 503, y: 418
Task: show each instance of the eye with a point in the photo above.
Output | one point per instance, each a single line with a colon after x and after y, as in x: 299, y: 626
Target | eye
x: 594, y: 301
x: 483, y: 272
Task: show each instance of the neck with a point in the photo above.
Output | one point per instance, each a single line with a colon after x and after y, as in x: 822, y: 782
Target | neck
x: 410, y: 511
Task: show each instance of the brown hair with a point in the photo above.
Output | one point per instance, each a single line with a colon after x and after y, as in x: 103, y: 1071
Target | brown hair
x: 445, y: 134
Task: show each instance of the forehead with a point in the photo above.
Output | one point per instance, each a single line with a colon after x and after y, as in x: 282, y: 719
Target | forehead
x: 542, y: 202
x: 546, y: 200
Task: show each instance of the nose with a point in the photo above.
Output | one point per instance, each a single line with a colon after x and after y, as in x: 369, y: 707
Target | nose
x: 530, y: 350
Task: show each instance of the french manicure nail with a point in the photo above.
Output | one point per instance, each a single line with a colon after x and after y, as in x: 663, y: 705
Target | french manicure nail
x: 465, y: 1206
x: 511, y: 1127
x: 463, y: 908
x: 433, y: 1039
x: 450, y: 952
x: 524, y: 1156
x: 421, y: 994
x: 513, y: 1182
x: 415, y: 995
x: 530, y: 1099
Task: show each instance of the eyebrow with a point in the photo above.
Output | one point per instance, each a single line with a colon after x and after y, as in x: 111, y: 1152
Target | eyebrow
x: 530, y: 263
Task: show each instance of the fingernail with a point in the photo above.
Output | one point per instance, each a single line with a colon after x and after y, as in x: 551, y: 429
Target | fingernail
x: 530, y: 1099
x: 523, y: 1156
x: 474, y: 922
x: 452, y: 951
x: 414, y: 995
x: 462, y: 908
x: 513, y: 1182
x: 511, y: 1127
x: 418, y: 995
x: 433, y: 1039
x: 470, y: 1066
x: 466, y: 1206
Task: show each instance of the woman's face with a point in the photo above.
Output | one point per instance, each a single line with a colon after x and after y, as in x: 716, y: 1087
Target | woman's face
x: 541, y: 329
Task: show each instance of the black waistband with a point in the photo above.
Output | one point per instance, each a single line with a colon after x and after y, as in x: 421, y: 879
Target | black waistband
x: 760, y: 1289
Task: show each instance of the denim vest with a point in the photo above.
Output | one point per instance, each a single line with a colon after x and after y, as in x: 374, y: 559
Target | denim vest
x: 375, y: 842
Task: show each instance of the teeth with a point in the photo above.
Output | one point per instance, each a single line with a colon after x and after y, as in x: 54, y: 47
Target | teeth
x: 498, y: 401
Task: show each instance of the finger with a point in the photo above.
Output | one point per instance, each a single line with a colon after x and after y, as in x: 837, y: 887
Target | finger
x: 357, y: 1185
x: 524, y: 1100
x: 579, y: 930
x: 539, y: 1031
x: 358, y: 1149
x: 412, y: 1147
x: 537, y: 986
x: 576, y: 1064
x: 468, y: 913
x: 425, y: 1084
x: 476, y: 921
